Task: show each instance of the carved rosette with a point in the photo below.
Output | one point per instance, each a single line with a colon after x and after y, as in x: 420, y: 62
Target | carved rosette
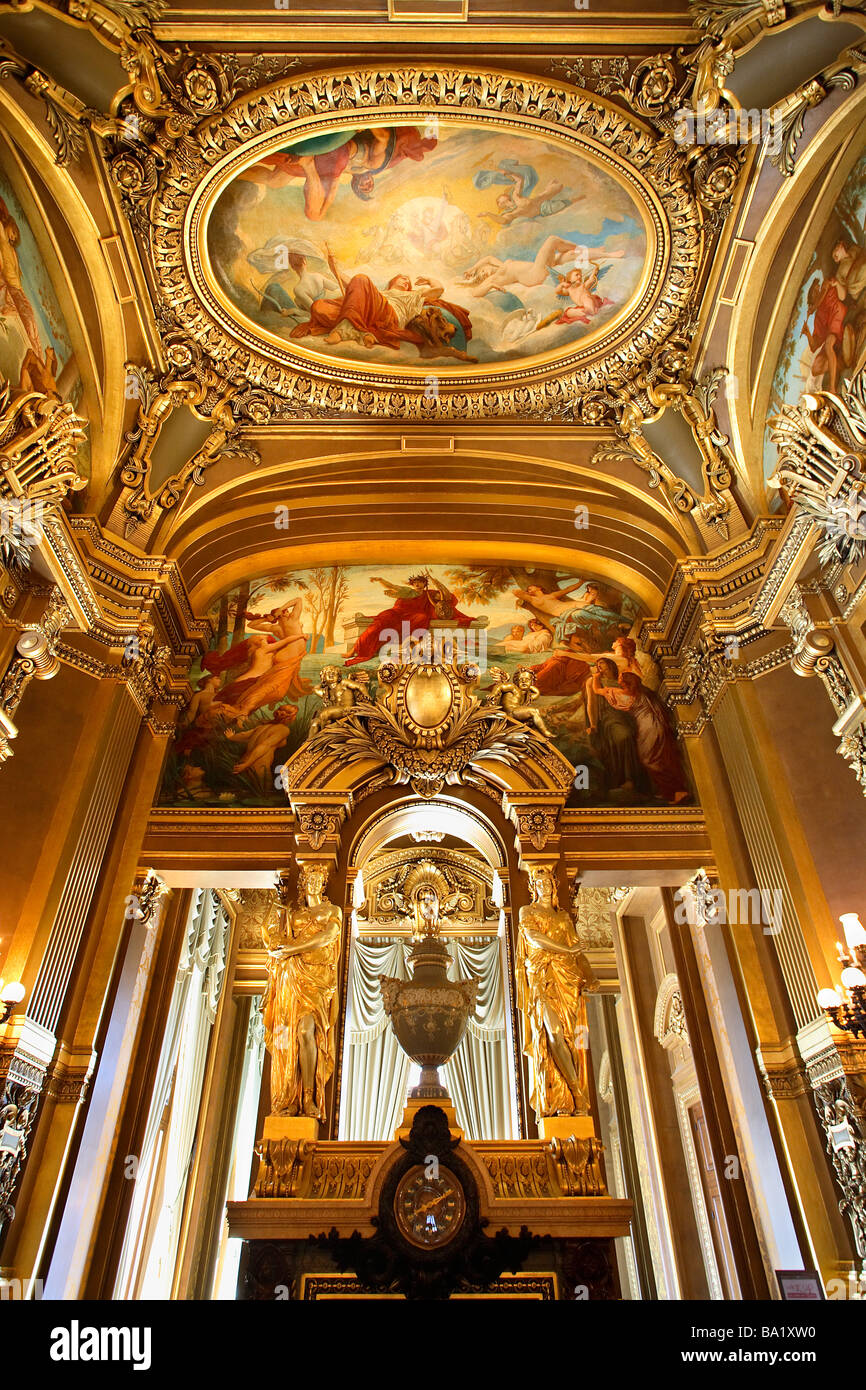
x: 319, y: 821
x: 536, y: 824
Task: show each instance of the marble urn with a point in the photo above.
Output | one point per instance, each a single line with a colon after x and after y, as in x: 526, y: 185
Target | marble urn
x: 429, y: 1013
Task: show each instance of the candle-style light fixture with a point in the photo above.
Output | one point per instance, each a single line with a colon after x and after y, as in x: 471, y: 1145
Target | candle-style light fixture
x: 11, y: 993
x: 849, y: 1012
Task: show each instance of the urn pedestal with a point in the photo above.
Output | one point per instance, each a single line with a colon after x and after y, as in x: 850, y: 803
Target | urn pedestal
x: 429, y: 1013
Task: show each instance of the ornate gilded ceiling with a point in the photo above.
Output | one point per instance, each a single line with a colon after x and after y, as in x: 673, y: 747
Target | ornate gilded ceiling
x: 581, y: 379
x: 234, y: 203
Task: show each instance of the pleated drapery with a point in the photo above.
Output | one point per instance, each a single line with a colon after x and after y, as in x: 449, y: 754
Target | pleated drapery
x: 376, y: 1069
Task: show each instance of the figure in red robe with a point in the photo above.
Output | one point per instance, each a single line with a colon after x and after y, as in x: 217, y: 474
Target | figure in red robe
x: 417, y: 604
x: 322, y: 160
x: 369, y: 316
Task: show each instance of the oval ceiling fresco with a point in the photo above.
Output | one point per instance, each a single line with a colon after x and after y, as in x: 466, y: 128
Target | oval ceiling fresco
x: 429, y: 247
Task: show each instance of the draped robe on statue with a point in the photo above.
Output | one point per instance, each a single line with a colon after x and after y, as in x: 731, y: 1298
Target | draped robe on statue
x: 301, y: 986
x: 545, y: 976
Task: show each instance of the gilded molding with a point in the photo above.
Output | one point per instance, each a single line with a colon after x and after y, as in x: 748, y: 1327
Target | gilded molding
x: 822, y: 466
x: 187, y: 147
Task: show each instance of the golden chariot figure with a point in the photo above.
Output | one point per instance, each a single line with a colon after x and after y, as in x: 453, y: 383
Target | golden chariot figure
x: 552, y: 975
x: 300, y: 1002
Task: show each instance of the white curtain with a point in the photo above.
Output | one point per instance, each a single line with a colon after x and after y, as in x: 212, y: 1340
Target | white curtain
x: 477, y: 1076
x: 160, y: 1173
x: 228, y: 1258
x: 376, y: 1069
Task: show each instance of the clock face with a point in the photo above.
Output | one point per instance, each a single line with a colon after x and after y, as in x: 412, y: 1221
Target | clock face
x: 429, y: 1211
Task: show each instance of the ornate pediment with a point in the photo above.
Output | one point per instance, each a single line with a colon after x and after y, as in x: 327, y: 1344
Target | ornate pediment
x: 428, y: 726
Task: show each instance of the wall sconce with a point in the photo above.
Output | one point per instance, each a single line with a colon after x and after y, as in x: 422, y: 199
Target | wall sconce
x: 849, y: 1013
x: 10, y: 995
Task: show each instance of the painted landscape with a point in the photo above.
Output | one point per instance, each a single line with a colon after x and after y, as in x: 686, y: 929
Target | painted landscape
x: 255, y: 690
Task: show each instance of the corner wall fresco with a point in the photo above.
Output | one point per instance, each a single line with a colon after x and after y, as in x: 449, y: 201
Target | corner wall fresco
x: 825, y: 342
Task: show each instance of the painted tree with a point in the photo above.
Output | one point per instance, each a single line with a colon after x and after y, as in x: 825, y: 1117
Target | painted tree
x: 223, y: 624
x: 483, y: 583
x: 250, y: 590
x: 327, y: 593
x: 240, y: 605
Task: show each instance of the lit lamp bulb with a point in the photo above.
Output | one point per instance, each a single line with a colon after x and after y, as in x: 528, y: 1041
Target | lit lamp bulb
x: 853, y: 977
x: 829, y: 999
x: 855, y: 932
x: 10, y: 994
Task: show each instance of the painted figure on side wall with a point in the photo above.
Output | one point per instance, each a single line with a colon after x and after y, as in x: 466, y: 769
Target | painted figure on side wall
x: 825, y: 343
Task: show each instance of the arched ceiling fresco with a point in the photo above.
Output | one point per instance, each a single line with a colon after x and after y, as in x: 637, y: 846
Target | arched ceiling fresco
x: 424, y: 246
x: 260, y: 685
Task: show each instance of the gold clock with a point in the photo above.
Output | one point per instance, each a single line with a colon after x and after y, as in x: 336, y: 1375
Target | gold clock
x: 429, y: 1211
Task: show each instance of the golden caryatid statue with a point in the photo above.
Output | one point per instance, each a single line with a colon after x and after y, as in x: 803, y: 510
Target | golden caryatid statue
x: 552, y: 975
x: 300, y: 1003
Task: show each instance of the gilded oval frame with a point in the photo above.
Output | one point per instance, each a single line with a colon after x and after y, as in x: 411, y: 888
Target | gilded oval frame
x: 289, y: 380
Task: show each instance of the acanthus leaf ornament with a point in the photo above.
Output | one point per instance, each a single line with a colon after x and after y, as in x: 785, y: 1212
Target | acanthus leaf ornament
x: 426, y: 722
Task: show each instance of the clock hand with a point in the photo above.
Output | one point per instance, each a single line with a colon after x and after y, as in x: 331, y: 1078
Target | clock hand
x: 428, y: 1206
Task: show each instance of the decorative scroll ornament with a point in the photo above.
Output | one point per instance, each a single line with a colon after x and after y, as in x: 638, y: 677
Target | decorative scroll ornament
x: 39, y: 437
x: 841, y: 1106
x: 427, y: 723
x: 188, y: 140
x: 149, y: 892
x: 822, y: 466
x: 789, y: 117
x: 719, y: 17
x: 815, y: 653
x: 188, y: 382
x: 667, y: 383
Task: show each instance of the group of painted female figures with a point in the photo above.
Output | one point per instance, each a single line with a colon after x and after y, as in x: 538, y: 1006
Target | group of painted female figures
x: 628, y: 725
